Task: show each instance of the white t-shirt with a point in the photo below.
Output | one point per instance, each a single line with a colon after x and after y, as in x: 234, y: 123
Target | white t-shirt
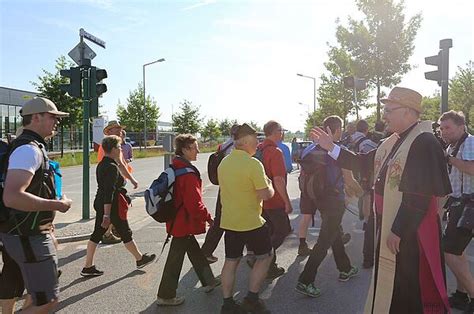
x: 26, y: 157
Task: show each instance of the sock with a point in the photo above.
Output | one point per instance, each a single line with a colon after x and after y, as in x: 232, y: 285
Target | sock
x: 252, y: 296
x: 228, y: 301
x: 303, y: 242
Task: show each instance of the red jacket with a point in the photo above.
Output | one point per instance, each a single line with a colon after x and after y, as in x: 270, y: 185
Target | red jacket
x: 192, y: 215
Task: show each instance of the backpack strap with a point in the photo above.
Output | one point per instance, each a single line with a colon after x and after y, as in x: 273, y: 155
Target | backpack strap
x: 223, y: 149
x: 360, y: 141
x: 182, y: 171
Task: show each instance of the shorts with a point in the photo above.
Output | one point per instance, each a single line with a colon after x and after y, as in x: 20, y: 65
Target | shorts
x: 455, y: 240
x: 257, y: 240
x: 11, y: 280
x: 307, y: 205
x: 37, y: 260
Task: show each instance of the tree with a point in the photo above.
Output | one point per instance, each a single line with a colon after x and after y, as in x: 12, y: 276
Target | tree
x: 254, y: 125
x: 225, y: 126
x: 381, y: 44
x: 461, y: 90
x: 48, y: 86
x: 188, y: 120
x: 132, y: 114
x: 431, y: 107
x: 211, y: 130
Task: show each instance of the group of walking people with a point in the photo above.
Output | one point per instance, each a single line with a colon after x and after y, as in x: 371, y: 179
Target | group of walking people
x: 399, y: 181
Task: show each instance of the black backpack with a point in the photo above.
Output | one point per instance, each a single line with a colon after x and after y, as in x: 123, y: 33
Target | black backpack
x: 4, y: 152
x: 312, y: 179
x: 214, y: 162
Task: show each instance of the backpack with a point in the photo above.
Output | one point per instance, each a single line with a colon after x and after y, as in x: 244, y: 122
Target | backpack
x: 58, y: 177
x: 259, y: 153
x: 214, y: 162
x: 312, y: 179
x: 4, y: 150
x: 159, y: 197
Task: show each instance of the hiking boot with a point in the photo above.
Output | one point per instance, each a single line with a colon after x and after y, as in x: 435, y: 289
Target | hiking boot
x: 304, y: 250
x: 211, y: 259
x: 310, y: 290
x: 110, y: 239
x: 274, y: 271
x: 343, y: 276
x: 91, y: 272
x: 234, y: 308
x: 217, y: 282
x: 459, y: 301
x: 346, y: 238
x: 169, y: 302
x: 146, y: 259
x: 254, y: 306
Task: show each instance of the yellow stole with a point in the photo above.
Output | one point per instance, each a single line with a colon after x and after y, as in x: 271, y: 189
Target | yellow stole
x: 392, y: 199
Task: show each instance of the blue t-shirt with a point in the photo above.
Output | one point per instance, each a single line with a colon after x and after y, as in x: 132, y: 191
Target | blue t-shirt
x: 286, y: 153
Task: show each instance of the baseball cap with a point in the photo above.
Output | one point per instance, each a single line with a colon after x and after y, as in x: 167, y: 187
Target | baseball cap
x: 41, y: 105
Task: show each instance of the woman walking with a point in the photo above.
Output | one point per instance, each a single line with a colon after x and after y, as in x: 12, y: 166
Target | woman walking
x: 111, y: 204
x: 190, y: 220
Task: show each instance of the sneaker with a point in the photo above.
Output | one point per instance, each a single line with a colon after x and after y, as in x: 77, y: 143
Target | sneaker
x: 274, y: 271
x: 211, y: 259
x: 146, y: 259
x: 235, y: 308
x: 254, y: 306
x: 169, y: 302
x: 217, y: 282
x: 343, y: 276
x: 459, y: 301
x: 310, y: 290
x: 110, y: 239
x: 91, y: 272
x: 346, y: 238
x: 304, y: 250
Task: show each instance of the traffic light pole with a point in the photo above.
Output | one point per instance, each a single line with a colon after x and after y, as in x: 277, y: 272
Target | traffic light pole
x: 444, y: 45
x: 85, y: 145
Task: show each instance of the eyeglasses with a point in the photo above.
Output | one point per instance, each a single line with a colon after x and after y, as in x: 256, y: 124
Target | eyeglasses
x: 388, y: 111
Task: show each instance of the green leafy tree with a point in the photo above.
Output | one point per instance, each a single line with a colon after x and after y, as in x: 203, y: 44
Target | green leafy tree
x: 225, y: 125
x: 431, y: 107
x: 131, y: 115
x: 48, y: 86
x: 188, y: 119
x: 211, y: 131
x: 461, y: 91
x: 380, y: 44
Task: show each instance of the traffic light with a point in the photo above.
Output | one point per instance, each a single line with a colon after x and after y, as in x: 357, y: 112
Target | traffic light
x: 74, y: 88
x: 96, y: 87
x: 434, y: 75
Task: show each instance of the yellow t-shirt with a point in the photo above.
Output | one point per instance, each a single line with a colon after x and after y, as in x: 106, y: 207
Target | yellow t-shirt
x: 240, y: 175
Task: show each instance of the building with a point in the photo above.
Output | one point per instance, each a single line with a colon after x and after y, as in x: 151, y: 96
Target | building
x: 11, y: 101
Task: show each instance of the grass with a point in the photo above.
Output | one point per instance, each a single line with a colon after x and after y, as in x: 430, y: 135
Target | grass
x: 75, y: 159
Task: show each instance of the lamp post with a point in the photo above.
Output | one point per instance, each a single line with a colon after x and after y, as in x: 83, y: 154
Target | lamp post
x: 314, y: 88
x: 144, y: 96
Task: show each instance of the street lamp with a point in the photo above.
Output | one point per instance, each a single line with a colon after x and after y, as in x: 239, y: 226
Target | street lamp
x: 314, y: 84
x: 144, y: 95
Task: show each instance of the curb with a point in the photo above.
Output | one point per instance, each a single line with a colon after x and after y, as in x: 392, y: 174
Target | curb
x: 74, y: 238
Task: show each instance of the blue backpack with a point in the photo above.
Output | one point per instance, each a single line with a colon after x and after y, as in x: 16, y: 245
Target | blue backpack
x: 159, y: 197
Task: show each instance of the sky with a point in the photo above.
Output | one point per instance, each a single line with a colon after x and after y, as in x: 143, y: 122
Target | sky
x: 236, y: 59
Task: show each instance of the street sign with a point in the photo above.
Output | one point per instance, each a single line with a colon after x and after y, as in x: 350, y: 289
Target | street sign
x: 75, y: 53
x: 92, y: 38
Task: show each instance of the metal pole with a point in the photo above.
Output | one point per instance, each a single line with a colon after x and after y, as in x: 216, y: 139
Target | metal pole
x: 144, y: 107
x: 444, y: 79
x: 355, y: 101
x: 85, y: 146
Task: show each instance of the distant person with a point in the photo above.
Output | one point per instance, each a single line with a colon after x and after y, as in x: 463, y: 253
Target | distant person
x: 379, y: 132
x: 114, y: 128
x: 29, y: 193
x: 127, y: 149
x: 190, y: 220
x: 111, y: 205
x: 214, y: 234
x: 277, y: 208
x: 243, y: 185
x: 286, y: 152
x: 295, y: 152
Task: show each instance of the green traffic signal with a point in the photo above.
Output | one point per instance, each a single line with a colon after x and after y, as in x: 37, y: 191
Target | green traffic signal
x: 74, y: 88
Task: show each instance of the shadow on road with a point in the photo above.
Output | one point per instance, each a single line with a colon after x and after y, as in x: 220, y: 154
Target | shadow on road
x: 71, y: 258
x: 71, y: 300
